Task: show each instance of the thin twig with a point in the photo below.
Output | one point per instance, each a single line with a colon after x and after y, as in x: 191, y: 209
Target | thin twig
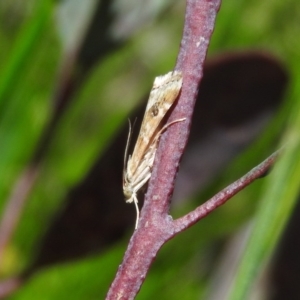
x: 224, y: 195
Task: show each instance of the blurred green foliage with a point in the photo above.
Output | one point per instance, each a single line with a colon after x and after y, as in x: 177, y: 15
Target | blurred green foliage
x: 32, y: 57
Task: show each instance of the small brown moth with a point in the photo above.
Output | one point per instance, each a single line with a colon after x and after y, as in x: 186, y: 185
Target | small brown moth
x: 138, y: 167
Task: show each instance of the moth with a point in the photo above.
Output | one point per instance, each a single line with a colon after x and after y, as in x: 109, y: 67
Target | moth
x: 138, y: 166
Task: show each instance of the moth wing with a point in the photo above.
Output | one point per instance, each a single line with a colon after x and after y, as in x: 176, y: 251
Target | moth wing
x: 162, y: 96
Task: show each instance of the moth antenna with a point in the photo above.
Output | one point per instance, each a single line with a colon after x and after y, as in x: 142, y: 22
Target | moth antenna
x: 127, y: 146
x: 126, y: 149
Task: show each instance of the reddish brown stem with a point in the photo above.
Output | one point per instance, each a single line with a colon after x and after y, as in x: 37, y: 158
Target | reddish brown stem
x: 156, y: 226
x: 149, y: 238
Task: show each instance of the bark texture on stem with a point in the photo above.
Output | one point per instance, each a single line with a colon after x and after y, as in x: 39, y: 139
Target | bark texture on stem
x: 156, y: 226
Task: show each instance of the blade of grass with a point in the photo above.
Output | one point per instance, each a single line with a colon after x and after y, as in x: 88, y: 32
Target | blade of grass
x: 27, y: 39
x: 282, y: 189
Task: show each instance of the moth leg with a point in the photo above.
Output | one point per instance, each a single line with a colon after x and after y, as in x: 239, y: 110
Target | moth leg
x: 138, y: 183
x: 134, y: 195
x: 168, y: 125
x: 135, y: 200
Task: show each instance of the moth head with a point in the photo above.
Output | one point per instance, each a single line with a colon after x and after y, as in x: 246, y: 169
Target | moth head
x: 127, y: 190
x: 128, y: 194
